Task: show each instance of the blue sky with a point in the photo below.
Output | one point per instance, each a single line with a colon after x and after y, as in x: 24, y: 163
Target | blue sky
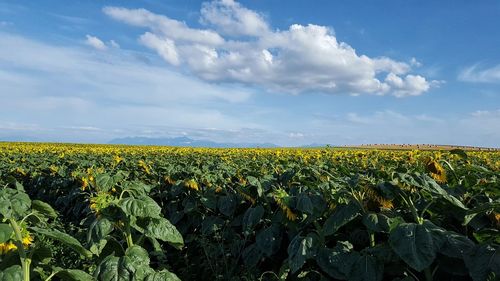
x: 336, y: 72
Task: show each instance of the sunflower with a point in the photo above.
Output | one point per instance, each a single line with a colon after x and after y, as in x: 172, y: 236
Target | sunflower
x: 85, y: 183
x: 436, y: 170
x: 7, y: 247
x: 11, y: 246
x: 281, y: 198
x: 192, y: 184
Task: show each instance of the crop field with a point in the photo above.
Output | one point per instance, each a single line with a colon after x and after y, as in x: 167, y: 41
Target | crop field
x: 97, y: 212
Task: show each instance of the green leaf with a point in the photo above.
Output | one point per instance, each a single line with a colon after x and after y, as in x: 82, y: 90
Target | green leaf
x: 251, y: 255
x: 73, y: 275
x: 304, y: 204
x: 255, y: 182
x: 483, y: 261
x: 163, y: 275
x: 459, y: 152
x: 301, y: 249
x: 104, y: 182
x: 227, y: 205
x: 13, y: 273
x: 97, y: 234
x: 14, y: 203
x: 162, y: 229
x: 138, y: 255
x: 251, y: 218
x: 5, y: 232
x: 377, y: 222
x: 341, y: 216
x: 136, y: 188
x: 43, y: 208
x: 337, y: 262
x: 269, y: 240
x: 482, y: 209
x: 64, y: 238
x: 366, y: 268
x: 487, y: 235
x: 133, y: 266
x: 414, y: 245
x: 142, y: 206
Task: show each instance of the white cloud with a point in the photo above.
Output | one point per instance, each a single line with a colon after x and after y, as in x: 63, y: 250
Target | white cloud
x: 113, y: 44
x: 296, y: 135
x: 164, y: 26
x: 303, y: 58
x: 111, y: 90
x: 95, y: 42
x: 230, y: 18
x: 477, y: 74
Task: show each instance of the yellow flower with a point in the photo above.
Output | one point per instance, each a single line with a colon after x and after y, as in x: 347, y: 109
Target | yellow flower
x: 192, y: 184
x: 85, y: 183
x: 290, y: 215
x: 144, y: 167
x: 169, y: 180
x: 7, y: 247
x: 27, y: 240
x: 437, y: 171
x: 117, y: 159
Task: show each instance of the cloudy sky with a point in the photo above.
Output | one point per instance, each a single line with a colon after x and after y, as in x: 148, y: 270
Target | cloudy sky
x: 336, y: 72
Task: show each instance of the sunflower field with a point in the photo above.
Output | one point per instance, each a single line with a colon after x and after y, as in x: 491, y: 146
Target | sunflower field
x: 101, y: 212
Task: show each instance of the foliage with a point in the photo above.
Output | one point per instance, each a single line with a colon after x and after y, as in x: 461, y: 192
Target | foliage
x: 145, y: 213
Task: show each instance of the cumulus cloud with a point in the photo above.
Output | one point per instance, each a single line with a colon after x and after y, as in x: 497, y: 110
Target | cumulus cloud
x: 476, y: 73
x: 231, y: 18
x: 95, y: 42
x: 237, y: 45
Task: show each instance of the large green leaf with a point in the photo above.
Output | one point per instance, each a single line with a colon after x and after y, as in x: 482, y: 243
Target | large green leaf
x: 142, y: 206
x: 366, y: 268
x: 414, y: 244
x: 43, y: 208
x: 269, y: 240
x: 73, y: 275
x: 483, y: 208
x: 483, y: 261
x: 163, y: 275
x: 97, y: 234
x: 134, y: 265
x: 67, y: 239
x: 341, y: 216
x: 162, y: 229
x: 14, y: 203
x: 251, y: 255
x: 377, y: 222
x: 5, y: 232
x: 301, y: 249
x: 337, y: 262
x: 251, y: 218
x: 13, y: 273
x: 227, y: 205
x: 304, y: 204
x: 104, y: 182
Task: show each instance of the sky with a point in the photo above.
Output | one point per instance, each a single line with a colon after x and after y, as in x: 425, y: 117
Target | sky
x: 291, y: 72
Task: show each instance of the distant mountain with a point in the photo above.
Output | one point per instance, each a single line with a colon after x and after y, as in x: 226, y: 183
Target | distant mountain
x: 184, y: 141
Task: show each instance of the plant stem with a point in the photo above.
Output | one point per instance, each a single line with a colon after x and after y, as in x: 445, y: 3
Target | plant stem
x: 372, y: 239
x: 25, y: 261
x: 428, y: 274
x: 128, y: 235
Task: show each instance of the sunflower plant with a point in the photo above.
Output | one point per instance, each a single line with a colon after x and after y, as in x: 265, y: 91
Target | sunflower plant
x: 24, y: 226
